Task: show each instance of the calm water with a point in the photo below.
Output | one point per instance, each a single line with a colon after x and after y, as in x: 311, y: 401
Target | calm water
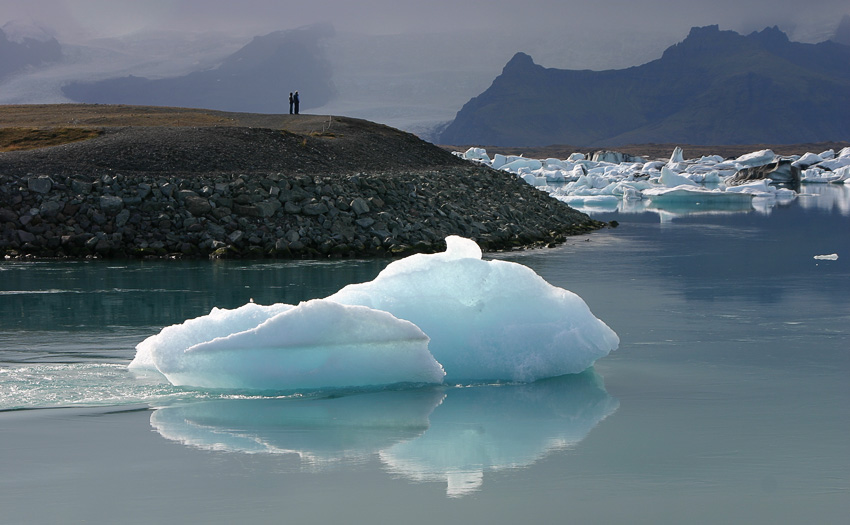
x: 727, y: 401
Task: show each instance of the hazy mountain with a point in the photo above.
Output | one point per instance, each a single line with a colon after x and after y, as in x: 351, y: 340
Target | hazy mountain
x: 842, y: 32
x: 715, y: 87
x: 256, y: 78
x: 19, y: 50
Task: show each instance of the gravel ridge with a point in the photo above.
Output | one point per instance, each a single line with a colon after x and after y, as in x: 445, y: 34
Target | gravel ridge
x: 333, y: 187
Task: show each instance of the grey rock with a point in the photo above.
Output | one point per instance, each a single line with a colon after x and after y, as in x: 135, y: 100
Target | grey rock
x: 315, y: 208
x: 197, y: 205
x: 122, y: 218
x: 25, y: 236
x: 81, y: 187
x: 111, y: 204
x: 144, y: 190
x: 359, y: 206
x: 42, y: 184
x: 291, y: 208
x: 268, y: 208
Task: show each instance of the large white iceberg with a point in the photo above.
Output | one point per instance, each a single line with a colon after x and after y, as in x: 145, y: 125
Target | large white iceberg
x: 486, y: 320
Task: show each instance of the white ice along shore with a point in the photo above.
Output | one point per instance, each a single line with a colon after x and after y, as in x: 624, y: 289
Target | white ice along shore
x: 612, y: 180
x: 424, y: 319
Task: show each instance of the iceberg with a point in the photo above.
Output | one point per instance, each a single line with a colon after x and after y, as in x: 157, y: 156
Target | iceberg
x: 610, y: 182
x: 424, y: 319
x: 487, y: 320
x: 317, y: 344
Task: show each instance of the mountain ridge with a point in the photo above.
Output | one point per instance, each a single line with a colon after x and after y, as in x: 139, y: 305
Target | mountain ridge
x: 714, y: 87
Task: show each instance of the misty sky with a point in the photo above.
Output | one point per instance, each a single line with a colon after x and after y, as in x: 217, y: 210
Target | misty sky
x: 93, y: 18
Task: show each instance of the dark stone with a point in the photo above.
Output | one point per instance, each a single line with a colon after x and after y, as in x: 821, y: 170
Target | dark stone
x: 110, y: 204
x: 196, y: 205
x: 41, y: 184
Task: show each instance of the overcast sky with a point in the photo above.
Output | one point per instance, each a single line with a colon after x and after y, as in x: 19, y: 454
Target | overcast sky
x: 76, y: 18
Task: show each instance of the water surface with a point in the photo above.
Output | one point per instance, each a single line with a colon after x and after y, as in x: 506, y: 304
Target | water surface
x: 726, y: 401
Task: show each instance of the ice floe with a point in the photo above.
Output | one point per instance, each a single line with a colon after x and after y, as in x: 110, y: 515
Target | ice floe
x: 628, y: 183
x: 423, y: 317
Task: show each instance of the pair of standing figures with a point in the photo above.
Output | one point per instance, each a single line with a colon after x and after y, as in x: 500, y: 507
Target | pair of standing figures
x: 293, y: 103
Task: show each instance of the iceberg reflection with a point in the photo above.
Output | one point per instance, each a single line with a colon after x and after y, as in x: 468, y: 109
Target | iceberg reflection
x: 438, y: 434
x: 321, y: 431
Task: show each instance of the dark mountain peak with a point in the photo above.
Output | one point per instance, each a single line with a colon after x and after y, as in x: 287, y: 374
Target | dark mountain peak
x: 711, y: 41
x: 703, y: 32
x: 769, y: 36
x: 519, y: 63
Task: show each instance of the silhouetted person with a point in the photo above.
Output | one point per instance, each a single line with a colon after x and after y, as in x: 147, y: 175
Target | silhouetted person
x: 291, y: 102
x: 295, y: 99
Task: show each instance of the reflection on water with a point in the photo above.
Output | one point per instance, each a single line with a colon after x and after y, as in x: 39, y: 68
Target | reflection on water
x: 451, y: 435
x: 825, y: 197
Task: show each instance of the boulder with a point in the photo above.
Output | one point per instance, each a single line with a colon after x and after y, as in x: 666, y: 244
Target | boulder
x: 111, y: 204
x: 42, y: 184
x: 197, y: 205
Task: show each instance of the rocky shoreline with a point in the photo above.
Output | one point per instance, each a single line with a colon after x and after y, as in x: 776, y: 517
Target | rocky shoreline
x: 192, y: 192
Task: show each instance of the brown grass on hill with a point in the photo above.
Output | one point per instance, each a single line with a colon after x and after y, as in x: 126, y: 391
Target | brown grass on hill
x: 98, y: 115
x: 17, y: 138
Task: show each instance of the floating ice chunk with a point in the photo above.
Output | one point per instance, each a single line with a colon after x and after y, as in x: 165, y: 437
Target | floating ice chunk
x: 476, y: 154
x: 842, y: 174
x: 652, y: 166
x: 836, y: 163
x: 845, y: 152
x: 817, y: 175
x: 756, y: 158
x: 677, y: 156
x: 220, y: 322
x: 828, y: 154
x: 487, y: 319
x: 830, y: 257
x: 499, y: 160
x: 695, y: 194
x: 672, y: 180
x: 316, y: 344
x: 519, y: 163
x: 809, y: 159
x: 710, y: 159
x: 631, y: 194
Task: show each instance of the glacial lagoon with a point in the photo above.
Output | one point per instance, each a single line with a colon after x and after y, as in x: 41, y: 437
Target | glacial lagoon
x: 726, y: 400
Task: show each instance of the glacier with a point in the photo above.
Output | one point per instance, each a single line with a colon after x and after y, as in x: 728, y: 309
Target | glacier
x: 425, y: 319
